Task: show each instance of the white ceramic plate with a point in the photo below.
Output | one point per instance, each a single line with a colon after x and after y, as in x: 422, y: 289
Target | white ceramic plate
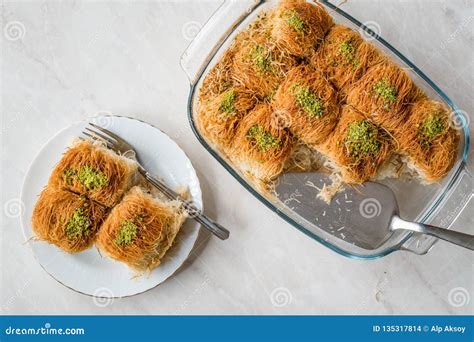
x: 88, y: 272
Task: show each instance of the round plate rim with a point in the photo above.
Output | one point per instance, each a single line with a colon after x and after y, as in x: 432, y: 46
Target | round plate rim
x: 34, y: 160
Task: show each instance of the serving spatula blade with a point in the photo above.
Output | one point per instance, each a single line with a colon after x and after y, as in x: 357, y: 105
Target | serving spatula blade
x: 360, y: 215
x: 365, y: 215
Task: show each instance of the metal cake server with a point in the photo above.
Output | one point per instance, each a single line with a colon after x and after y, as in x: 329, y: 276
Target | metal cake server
x: 365, y: 215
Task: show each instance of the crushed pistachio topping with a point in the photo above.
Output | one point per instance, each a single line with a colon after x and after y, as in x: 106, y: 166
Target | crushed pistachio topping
x: 384, y: 90
x: 92, y: 179
x: 431, y: 128
x: 261, y: 58
x: 265, y: 140
x: 78, y: 225
x: 68, y: 175
x: 348, y: 51
x: 228, y: 102
x: 308, y: 101
x: 295, y: 21
x: 127, y: 233
x: 361, y: 139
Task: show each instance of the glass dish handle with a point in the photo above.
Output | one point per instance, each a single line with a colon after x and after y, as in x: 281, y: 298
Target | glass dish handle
x: 455, y: 202
x: 198, y: 54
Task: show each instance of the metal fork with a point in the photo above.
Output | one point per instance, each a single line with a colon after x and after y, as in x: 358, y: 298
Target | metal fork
x: 119, y: 145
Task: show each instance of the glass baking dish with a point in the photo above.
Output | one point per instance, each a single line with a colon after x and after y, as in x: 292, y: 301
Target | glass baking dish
x: 438, y: 204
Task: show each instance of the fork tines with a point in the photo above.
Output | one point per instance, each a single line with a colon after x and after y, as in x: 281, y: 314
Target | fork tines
x: 100, y: 134
x: 111, y: 140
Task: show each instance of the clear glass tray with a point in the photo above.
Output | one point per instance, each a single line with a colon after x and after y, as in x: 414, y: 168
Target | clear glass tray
x: 437, y: 204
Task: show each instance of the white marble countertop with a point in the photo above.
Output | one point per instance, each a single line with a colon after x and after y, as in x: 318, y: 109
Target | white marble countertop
x: 66, y: 61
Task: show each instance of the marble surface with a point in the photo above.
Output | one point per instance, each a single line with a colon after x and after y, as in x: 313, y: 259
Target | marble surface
x: 66, y: 61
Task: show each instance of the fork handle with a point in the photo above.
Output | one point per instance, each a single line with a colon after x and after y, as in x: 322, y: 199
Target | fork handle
x: 190, y: 208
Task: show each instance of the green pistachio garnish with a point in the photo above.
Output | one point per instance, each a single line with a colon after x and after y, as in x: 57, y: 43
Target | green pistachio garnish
x: 308, y: 101
x: 127, y: 233
x: 361, y: 139
x: 228, y: 102
x: 78, y: 225
x: 431, y: 128
x: 265, y: 140
x: 261, y: 58
x: 92, y: 179
x: 348, y: 51
x: 295, y: 21
x: 384, y: 90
